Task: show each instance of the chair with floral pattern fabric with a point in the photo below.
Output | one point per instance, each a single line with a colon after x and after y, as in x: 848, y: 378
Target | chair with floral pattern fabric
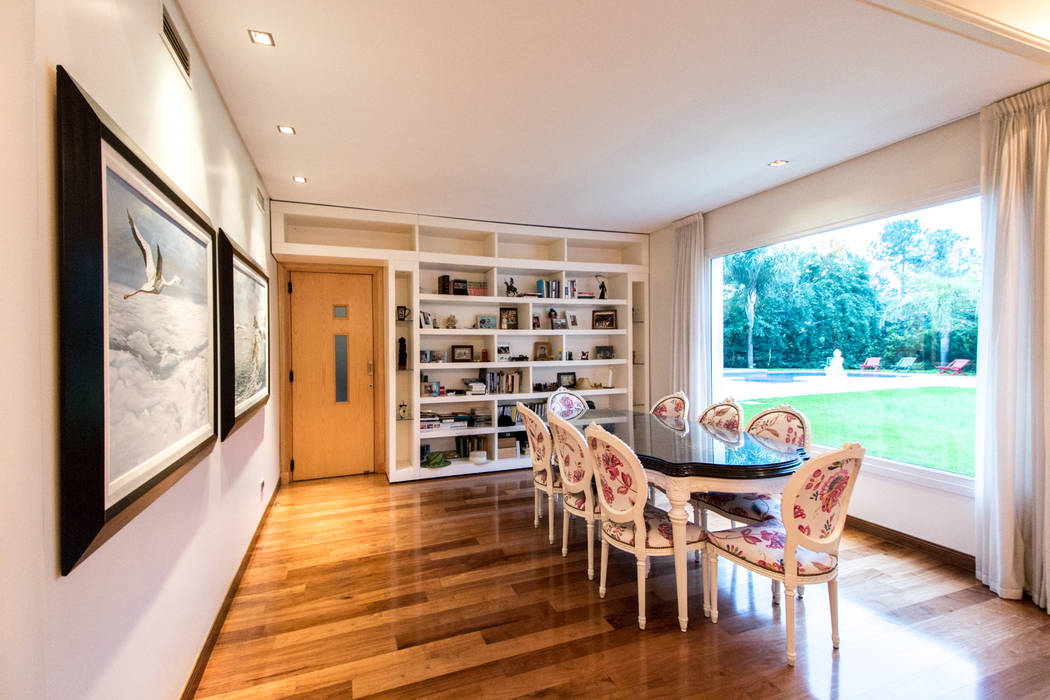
x: 672, y: 410
x: 545, y: 479
x: 629, y: 522
x: 803, y: 549
x: 724, y: 414
x: 567, y: 404
x: 577, y: 478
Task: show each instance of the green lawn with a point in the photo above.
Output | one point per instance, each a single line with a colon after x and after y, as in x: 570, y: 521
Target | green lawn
x: 931, y: 426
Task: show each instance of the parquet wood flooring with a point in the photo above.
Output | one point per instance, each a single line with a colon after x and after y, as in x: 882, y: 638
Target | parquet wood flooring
x: 443, y: 589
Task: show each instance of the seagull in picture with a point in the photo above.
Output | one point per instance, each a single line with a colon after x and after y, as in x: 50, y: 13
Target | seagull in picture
x: 154, y: 276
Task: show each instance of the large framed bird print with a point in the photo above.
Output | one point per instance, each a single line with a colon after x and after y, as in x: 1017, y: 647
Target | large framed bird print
x: 137, y: 328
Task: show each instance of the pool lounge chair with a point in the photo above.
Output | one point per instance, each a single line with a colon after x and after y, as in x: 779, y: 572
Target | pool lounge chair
x: 871, y: 363
x: 953, y: 367
x: 904, y: 364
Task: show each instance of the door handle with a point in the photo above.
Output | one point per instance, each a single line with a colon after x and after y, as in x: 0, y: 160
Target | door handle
x: 369, y: 368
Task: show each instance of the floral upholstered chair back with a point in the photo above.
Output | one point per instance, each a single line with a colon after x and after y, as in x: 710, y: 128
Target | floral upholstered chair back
x: 573, y: 457
x: 566, y: 404
x: 783, y: 423
x: 816, y: 499
x: 540, y: 448
x: 622, y: 486
x: 724, y: 414
x: 672, y: 410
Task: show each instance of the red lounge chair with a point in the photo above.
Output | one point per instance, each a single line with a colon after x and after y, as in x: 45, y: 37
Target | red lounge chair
x: 953, y: 367
x: 871, y: 363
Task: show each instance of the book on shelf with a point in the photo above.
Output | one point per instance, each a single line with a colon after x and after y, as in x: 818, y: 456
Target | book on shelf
x: 459, y: 287
x: 548, y: 289
x: 444, y: 284
x: 501, y: 381
x: 477, y: 289
x: 468, y: 443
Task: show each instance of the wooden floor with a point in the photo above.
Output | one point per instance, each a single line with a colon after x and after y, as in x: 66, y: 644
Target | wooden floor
x: 444, y: 589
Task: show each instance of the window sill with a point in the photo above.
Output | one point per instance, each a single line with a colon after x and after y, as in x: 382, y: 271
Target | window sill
x: 911, y: 474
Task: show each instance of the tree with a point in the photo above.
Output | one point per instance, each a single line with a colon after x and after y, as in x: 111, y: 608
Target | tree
x: 751, y: 271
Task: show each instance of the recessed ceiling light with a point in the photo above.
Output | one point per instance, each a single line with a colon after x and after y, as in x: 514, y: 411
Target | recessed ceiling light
x: 261, y: 38
x: 299, y: 178
x: 285, y: 129
x: 777, y: 163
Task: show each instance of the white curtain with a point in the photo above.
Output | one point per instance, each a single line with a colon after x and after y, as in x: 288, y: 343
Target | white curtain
x: 691, y: 314
x: 1013, y: 531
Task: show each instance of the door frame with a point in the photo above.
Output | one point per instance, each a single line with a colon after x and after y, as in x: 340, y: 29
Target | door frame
x: 284, y: 316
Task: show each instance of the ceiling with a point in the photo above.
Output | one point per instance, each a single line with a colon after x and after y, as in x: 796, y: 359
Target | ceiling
x: 603, y: 114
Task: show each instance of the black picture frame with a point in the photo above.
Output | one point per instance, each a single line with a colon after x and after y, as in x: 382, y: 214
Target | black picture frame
x: 462, y: 353
x: 604, y: 352
x: 508, y: 318
x: 232, y: 413
x: 567, y: 379
x: 90, y: 511
x: 603, y: 319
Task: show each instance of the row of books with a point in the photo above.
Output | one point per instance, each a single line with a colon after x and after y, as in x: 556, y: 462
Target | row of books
x: 501, y: 382
x: 447, y: 285
x: 508, y: 415
x: 476, y: 418
x: 465, y: 444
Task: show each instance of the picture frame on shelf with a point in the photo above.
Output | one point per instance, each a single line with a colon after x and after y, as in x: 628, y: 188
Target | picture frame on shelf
x: 535, y: 322
x: 402, y: 313
x: 573, y: 321
x: 604, y: 352
x: 126, y: 430
x: 487, y: 322
x: 424, y: 319
x: 567, y: 379
x: 559, y: 324
x: 424, y: 356
x: 244, y: 331
x: 439, y: 356
x: 503, y: 352
x: 462, y: 353
x: 541, y: 351
x: 508, y: 318
x: 604, y: 319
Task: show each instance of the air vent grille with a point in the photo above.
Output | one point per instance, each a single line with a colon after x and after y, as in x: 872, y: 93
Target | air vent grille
x: 174, y: 41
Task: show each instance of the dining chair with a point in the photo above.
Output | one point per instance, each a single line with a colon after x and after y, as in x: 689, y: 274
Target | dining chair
x: 545, y: 479
x: 567, y: 404
x: 629, y: 522
x: 672, y: 410
x: 724, y: 414
x: 803, y: 549
x: 576, y: 469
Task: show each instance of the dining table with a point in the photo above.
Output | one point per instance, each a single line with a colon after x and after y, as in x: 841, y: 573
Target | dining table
x: 682, y: 458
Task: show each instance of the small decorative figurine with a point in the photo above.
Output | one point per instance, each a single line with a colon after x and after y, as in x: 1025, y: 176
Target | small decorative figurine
x: 402, y: 353
x: 450, y: 322
x: 601, y: 287
x: 402, y: 411
x: 512, y: 291
x: 552, y: 313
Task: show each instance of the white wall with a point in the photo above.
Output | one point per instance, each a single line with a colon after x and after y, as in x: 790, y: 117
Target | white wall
x: 926, y: 169
x: 129, y: 621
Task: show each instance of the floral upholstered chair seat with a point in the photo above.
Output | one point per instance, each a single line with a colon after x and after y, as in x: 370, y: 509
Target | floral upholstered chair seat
x: 578, y: 502
x: 742, y: 506
x: 541, y: 478
x: 657, y: 530
x: 763, y: 545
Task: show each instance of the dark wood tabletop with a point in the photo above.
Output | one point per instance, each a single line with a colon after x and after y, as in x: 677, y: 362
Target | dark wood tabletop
x: 686, y: 449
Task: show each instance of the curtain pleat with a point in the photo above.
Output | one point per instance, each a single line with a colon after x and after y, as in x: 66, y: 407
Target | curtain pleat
x: 691, y: 311
x: 1013, y: 451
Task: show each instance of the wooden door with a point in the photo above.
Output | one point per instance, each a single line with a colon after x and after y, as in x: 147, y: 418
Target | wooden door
x: 333, y: 387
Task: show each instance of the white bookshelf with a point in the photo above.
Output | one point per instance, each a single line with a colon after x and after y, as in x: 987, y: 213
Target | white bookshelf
x: 417, y: 250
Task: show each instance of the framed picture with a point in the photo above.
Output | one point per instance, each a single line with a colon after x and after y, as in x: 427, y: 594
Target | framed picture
x: 508, y: 318
x: 559, y: 323
x: 567, y: 379
x: 486, y: 321
x: 424, y: 319
x: 402, y: 313
x: 424, y: 356
x: 603, y: 319
x: 503, y: 352
x: 604, y: 352
x: 462, y: 353
x: 541, y: 350
x: 244, y: 332
x: 439, y: 356
x: 535, y: 322
x: 137, y: 347
x: 572, y: 320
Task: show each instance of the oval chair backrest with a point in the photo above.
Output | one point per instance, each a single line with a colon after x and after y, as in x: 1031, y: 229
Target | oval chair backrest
x: 567, y: 404
x: 783, y: 423
x: 622, y: 486
x: 539, y: 440
x: 724, y: 414
x: 817, y: 496
x: 672, y: 410
x: 573, y: 457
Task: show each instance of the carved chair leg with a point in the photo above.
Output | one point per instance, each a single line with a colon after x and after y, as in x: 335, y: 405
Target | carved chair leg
x: 833, y: 598
x: 643, y: 564
x: 565, y: 518
x: 550, y: 514
x: 536, y: 509
x: 590, y: 550
x: 712, y: 581
x: 604, y: 567
x: 776, y: 591
x: 789, y: 603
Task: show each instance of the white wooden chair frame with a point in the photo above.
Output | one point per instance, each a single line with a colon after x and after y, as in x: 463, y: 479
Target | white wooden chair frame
x: 793, y: 538
x: 563, y: 432
x: 540, y: 464
x: 570, y: 392
x: 634, y: 514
